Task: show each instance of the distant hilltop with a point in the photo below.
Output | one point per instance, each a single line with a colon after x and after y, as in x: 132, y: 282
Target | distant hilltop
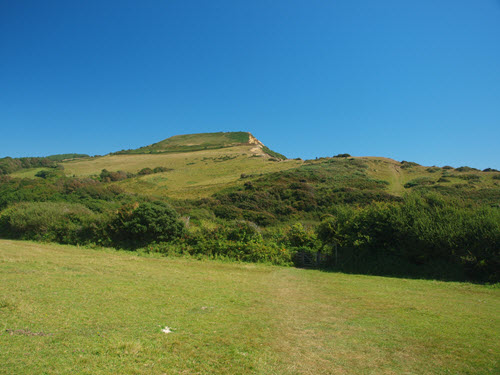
x: 204, y: 141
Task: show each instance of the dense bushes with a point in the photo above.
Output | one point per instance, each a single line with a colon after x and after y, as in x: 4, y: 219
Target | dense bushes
x: 132, y: 226
x: 421, y: 231
x: 9, y: 165
x: 51, y: 221
x: 236, y: 240
x: 140, y: 224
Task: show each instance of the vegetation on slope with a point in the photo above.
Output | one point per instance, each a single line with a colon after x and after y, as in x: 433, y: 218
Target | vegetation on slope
x: 273, y: 154
x: 270, y: 218
x: 376, y: 215
x: 193, y: 142
x: 66, y: 157
x: 9, y: 165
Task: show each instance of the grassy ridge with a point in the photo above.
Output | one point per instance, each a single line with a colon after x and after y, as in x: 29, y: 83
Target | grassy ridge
x: 193, y: 142
x: 100, y: 312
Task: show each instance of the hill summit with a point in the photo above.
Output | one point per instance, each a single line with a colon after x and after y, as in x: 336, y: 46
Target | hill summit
x: 204, y: 141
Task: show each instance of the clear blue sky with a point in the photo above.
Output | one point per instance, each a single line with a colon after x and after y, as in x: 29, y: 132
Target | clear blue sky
x: 410, y: 80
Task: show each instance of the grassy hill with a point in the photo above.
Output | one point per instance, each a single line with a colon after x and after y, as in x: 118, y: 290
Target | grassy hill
x: 102, y: 312
x: 198, y: 164
x: 194, y: 142
x: 388, y: 217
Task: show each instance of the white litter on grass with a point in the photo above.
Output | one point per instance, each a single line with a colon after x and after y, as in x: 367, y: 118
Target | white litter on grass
x: 166, y: 330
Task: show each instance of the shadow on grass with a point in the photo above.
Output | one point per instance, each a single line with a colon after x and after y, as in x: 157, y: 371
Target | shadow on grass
x: 398, y: 267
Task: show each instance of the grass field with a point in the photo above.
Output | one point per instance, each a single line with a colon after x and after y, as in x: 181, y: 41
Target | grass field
x: 69, y: 310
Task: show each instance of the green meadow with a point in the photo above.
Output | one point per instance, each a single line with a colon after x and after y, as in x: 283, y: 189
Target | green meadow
x: 72, y: 310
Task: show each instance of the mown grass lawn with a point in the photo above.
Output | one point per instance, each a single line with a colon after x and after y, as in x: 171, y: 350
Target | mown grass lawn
x: 69, y: 310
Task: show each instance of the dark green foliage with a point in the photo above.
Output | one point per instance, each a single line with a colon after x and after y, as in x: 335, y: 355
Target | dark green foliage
x: 496, y: 177
x: 86, y: 191
x: 420, y: 181
x: 162, y: 169
x: 420, y: 231
x: 329, y: 231
x: 107, y: 176
x: 237, y: 240
x: 447, y: 167
x: 408, y: 164
x: 273, y: 154
x: 466, y: 169
x: 467, y: 177
x: 310, y: 190
x: 299, y: 237
x: 433, y: 169
x: 145, y: 171
x: 490, y: 170
x: 49, y: 173
x: 70, y: 223
x: 138, y: 225
x: 342, y: 156
x: 61, y: 157
x: 9, y: 165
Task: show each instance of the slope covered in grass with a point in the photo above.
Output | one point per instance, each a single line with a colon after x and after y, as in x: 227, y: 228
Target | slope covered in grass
x: 194, y: 142
x: 71, y: 310
x: 200, y: 165
x: 190, y: 174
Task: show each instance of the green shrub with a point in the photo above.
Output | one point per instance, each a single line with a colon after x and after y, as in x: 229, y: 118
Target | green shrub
x: 298, y: 236
x: 408, y: 164
x: 53, y: 221
x: 273, y: 154
x: 466, y: 169
x: 162, y: 169
x: 49, y: 173
x: 420, y: 230
x: 140, y: 224
x: 420, y: 181
x: 468, y: 177
x: 107, y: 176
x: 145, y: 171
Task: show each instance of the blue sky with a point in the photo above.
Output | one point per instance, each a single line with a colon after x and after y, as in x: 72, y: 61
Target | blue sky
x: 410, y: 80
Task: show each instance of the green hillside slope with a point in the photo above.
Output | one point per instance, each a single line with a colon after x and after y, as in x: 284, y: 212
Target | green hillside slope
x: 193, y: 142
x: 197, y: 164
x: 203, y: 141
x: 387, y: 217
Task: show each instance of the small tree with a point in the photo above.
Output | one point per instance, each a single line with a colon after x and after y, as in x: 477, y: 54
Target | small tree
x: 147, y: 223
x: 329, y: 232
x: 145, y: 171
